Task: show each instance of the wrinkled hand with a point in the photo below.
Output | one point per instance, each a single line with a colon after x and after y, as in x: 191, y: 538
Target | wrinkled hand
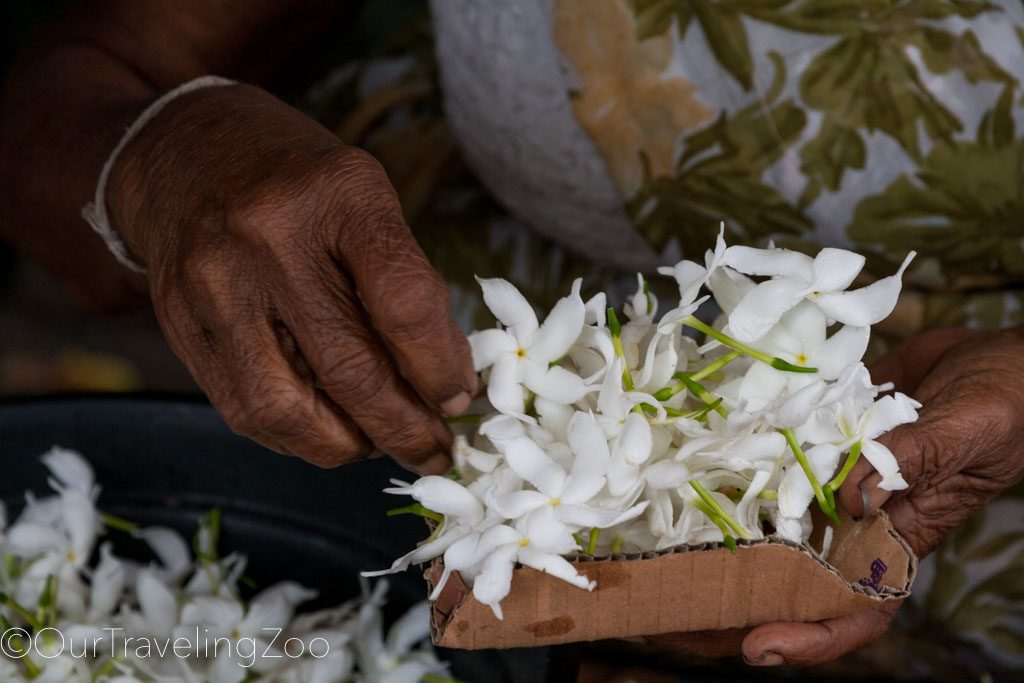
x: 966, y: 447
x: 286, y: 280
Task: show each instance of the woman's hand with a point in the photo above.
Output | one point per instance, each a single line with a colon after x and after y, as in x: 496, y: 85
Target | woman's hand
x: 286, y: 280
x: 966, y: 447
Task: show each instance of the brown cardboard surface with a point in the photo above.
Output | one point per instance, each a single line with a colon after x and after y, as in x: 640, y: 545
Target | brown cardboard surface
x: 685, y: 588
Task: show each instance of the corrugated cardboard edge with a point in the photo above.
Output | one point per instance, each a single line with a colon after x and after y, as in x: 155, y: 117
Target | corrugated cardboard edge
x: 683, y: 588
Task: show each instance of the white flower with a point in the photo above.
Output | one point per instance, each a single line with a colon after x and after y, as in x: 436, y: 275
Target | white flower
x: 395, y: 659
x: 538, y: 540
x: 520, y: 354
x: 795, y: 277
x: 568, y: 494
x: 885, y: 414
x: 690, y: 277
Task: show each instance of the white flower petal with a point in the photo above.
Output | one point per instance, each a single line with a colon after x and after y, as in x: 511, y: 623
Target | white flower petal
x: 554, y: 417
x: 797, y: 409
x: 795, y: 493
x: 411, y: 628
x: 466, y: 457
x: 690, y: 277
x: 882, y: 459
x: 504, y: 390
x: 835, y: 269
x: 532, y: 464
x: 424, y: 552
x: 889, y: 412
x: 170, y: 548
x: 545, y: 530
x: 560, y: 329
x: 29, y: 540
x: 515, y: 504
x: 510, y: 308
x: 70, y: 470
x: 495, y: 580
x: 107, y: 584
x: 488, y: 346
x: 747, y: 508
x: 842, y: 349
x: 588, y: 444
x: 635, y: 441
x: 555, y: 566
x: 761, y: 386
x: 805, y: 324
x: 581, y: 486
x: 267, y: 610
x: 555, y: 384
x: 666, y: 474
x: 81, y: 522
x: 770, y: 262
x: 867, y: 305
x: 597, y: 518
x: 596, y: 309
x: 763, y: 306
x: 729, y: 287
x: 471, y: 550
x: 160, y: 608
x: 444, y: 496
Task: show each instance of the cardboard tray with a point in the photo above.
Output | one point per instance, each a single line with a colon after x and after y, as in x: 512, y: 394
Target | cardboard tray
x: 684, y: 588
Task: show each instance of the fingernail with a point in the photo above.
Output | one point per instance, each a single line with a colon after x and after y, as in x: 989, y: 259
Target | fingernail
x: 456, y: 405
x: 865, y: 501
x: 767, y: 658
x: 435, y: 464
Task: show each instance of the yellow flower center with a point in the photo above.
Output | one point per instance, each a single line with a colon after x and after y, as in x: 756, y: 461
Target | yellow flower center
x: 801, y: 359
x: 72, y: 557
x: 523, y: 542
x: 521, y: 352
x: 555, y: 502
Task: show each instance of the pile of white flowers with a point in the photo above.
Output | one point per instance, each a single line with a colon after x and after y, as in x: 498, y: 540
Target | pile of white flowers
x: 602, y: 437
x: 66, y: 618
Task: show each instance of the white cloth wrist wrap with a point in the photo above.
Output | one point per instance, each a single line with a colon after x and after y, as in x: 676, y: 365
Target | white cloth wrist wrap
x: 95, y: 212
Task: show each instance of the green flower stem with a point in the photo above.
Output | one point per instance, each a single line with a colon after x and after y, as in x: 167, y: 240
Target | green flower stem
x: 14, y: 641
x: 118, y: 523
x: 616, y: 330
x: 467, y: 419
x: 798, y: 452
x: 712, y: 368
x: 727, y: 538
x: 12, y: 566
x: 416, y: 509
x: 592, y: 541
x: 46, y: 609
x: 579, y: 541
x: 697, y: 414
x: 851, y: 460
x: 616, y: 544
x: 703, y: 394
x: 721, y: 513
x: 775, y: 362
x: 768, y: 495
x: 29, y: 618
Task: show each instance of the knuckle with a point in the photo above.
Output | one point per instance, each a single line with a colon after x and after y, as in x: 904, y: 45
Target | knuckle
x: 410, y: 441
x: 415, y: 305
x: 278, y: 410
x: 360, y: 374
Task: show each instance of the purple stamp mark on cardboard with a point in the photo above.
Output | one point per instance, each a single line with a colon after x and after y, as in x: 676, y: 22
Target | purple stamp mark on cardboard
x: 877, y: 572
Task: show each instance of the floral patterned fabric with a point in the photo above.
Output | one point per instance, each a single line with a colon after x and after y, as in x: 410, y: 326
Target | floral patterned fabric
x: 876, y: 125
